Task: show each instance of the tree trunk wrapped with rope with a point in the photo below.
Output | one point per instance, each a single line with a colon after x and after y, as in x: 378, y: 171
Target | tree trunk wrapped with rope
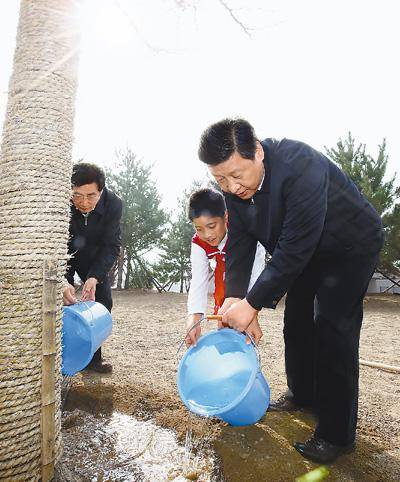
x: 35, y: 168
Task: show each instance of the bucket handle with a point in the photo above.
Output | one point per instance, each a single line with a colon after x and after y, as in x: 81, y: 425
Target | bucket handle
x: 87, y: 307
x: 219, y: 318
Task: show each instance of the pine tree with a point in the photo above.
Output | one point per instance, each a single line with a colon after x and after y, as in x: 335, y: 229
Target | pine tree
x: 142, y: 217
x: 174, y: 263
x: 369, y: 174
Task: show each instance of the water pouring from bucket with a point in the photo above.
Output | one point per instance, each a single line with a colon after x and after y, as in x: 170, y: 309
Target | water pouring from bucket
x: 221, y: 377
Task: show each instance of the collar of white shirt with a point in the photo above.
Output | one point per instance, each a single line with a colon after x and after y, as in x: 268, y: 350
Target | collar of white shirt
x: 262, y: 180
x: 223, y: 242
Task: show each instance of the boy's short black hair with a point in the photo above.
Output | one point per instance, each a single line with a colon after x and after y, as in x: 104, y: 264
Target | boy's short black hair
x: 220, y: 140
x: 86, y: 173
x: 206, y: 202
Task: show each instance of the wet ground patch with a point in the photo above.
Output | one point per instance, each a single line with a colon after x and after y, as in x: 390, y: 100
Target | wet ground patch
x: 147, y: 330
x: 103, y: 442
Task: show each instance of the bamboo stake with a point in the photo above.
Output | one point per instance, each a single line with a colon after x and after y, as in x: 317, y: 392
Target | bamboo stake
x: 381, y: 366
x: 49, y: 313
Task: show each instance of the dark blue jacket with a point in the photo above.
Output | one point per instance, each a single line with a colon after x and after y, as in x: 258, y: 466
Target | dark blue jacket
x: 305, y: 206
x: 94, y: 243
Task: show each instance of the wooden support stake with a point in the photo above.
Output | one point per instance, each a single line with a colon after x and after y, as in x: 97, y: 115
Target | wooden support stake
x: 381, y: 366
x: 49, y: 313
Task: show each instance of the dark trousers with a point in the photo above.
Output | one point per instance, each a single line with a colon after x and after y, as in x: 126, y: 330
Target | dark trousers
x: 322, y: 322
x: 103, y: 296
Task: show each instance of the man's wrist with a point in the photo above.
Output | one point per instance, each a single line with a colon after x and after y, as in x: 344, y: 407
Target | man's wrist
x: 252, y: 305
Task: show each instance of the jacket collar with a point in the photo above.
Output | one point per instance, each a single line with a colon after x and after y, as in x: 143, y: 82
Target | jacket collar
x: 265, y: 186
x: 99, y: 209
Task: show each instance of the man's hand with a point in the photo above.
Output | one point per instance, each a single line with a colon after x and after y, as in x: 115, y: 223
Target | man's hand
x: 193, y: 335
x: 255, y: 331
x: 89, y: 289
x: 224, y: 308
x: 69, y: 295
x: 239, y: 315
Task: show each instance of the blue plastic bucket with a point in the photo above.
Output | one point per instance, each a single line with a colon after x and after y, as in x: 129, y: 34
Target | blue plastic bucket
x: 221, y: 377
x: 86, y: 326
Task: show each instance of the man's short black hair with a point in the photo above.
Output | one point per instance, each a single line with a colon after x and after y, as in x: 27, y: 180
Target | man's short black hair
x: 206, y: 202
x: 219, y: 141
x: 86, y: 173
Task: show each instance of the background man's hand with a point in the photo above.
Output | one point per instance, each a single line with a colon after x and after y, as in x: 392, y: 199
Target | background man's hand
x: 89, y: 289
x: 193, y: 335
x: 69, y: 295
x: 224, y: 308
x: 239, y: 315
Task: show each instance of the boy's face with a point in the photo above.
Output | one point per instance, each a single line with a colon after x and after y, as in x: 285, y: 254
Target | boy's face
x: 211, y: 229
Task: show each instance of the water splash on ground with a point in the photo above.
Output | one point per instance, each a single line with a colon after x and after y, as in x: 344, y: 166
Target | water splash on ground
x: 120, y: 447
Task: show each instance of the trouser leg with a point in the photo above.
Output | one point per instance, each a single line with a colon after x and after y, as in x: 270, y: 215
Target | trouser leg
x: 97, y: 357
x: 299, y: 336
x: 103, y: 296
x: 339, y: 311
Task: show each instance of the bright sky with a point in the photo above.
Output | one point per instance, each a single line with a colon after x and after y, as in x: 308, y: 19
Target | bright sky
x: 153, y: 76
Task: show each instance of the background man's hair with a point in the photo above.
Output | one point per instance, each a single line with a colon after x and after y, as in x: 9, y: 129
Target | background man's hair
x: 206, y: 202
x: 220, y: 140
x: 86, y: 173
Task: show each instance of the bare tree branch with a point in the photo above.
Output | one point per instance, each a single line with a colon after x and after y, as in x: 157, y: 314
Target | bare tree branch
x: 234, y: 17
x: 156, y: 50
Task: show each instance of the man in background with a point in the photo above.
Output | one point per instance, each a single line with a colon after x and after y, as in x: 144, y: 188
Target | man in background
x: 94, y: 241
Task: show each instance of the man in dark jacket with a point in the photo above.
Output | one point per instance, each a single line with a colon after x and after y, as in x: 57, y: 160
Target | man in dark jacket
x: 94, y: 242
x: 324, y: 238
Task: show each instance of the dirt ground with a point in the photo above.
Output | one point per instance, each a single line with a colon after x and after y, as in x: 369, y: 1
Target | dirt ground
x: 148, y: 328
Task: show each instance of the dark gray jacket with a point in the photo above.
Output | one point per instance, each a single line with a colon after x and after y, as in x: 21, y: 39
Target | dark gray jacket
x: 95, y: 242
x: 305, y: 206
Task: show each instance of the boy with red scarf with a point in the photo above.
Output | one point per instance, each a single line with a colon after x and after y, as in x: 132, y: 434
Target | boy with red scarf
x: 207, y: 212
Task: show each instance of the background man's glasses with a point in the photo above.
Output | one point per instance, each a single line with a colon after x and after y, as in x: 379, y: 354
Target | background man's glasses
x: 80, y: 197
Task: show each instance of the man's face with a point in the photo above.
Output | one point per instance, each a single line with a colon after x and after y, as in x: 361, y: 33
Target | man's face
x: 240, y: 176
x: 85, y: 197
x: 210, y: 229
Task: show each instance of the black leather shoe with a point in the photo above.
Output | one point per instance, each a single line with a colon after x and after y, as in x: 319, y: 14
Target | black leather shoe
x: 286, y: 403
x: 320, y: 451
x: 100, y: 367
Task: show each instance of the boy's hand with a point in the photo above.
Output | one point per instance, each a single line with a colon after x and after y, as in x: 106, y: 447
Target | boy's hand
x: 255, y: 331
x: 239, y: 315
x: 224, y: 308
x: 193, y: 335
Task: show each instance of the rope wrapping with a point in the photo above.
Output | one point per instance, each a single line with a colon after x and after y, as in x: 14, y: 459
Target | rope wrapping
x: 35, y: 170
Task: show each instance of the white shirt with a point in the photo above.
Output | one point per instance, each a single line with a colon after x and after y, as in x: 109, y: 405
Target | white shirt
x: 198, y: 291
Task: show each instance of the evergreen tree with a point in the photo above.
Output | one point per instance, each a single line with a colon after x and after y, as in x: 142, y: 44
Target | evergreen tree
x: 369, y: 174
x: 142, y: 217
x: 390, y: 255
x: 174, y: 263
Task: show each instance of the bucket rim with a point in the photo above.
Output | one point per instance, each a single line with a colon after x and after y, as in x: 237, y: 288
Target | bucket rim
x: 236, y: 401
x: 78, y: 314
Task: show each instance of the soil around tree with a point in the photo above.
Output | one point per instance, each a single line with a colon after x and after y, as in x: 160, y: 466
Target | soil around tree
x: 148, y: 328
